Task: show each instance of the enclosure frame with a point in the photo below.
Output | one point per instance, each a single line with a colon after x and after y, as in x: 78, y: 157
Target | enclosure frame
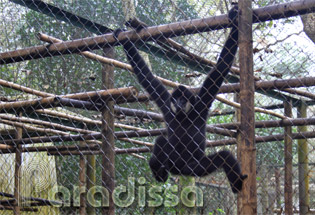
x: 89, y: 144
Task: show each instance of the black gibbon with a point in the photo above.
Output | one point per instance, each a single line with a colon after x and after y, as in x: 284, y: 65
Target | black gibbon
x: 182, y: 150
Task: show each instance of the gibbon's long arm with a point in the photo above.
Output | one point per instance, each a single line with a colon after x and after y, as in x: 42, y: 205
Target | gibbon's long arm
x: 145, y: 77
x: 215, y: 78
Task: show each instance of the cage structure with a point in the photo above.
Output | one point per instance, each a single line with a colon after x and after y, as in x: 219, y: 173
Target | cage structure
x: 77, y: 129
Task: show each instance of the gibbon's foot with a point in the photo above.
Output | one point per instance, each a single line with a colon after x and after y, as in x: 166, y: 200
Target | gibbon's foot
x: 161, y: 175
x: 159, y: 171
x: 238, y: 184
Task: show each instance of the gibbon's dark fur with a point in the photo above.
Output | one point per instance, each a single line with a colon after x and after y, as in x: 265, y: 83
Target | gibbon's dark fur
x: 182, y: 151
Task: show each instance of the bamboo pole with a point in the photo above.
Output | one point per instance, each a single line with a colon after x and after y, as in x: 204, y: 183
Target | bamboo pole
x: 82, y: 183
x: 48, y: 102
x: 86, y: 105
x: 32, y: 128
x: 272, y: 123
x: 24, y: 89
x: 263, y: 139
x: 82, y: 119
x: 304, y: 191
x: 77, y: 148
x: 17, y: 173
x: 237, y: 119
x: 92, y: 96
x: 90, y: 181
x: 94, y: 136
x: 138, y: 142
x: 108, y: 137
x: 44, y: 123
x: 151, y: 33
x: 288, y: 156
x: 248, y: 196
x: 256, y: 109
x: 92, y: 146
x: 300, y: 93
x: 100, y: 152
x: 138, y: 113
x: 278, y: 84
x: 31, y: 104
x: 111, y: 94
x: 53, y: 113
x: 57, y: 126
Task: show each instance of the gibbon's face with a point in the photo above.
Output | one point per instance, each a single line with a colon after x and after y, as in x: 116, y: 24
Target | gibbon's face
x: 182, y: 100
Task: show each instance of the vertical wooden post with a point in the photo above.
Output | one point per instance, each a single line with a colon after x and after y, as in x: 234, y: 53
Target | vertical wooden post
x: 90, y: 180
x: 304, y: 198
x: 238, y: 139
x: 17, y: 176
x: 288, y: 162
x: 248, y: 196
x: 108, y: 141
x: 82, y: 184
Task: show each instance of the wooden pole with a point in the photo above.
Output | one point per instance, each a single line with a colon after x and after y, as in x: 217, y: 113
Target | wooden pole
x: 278, y: 84
x: 94, y: 136
x: 304, y: 191
x: 108, y: 136
x: 272, y: 123
x: 288, y: 192
x: 155, y: 32
x: 17, y: 175
x: 82, y: 183
x: 90, y: 180
x: 237, y: 117
x: 95, y: 96
x: 100, y: 152
x: 248, y: 198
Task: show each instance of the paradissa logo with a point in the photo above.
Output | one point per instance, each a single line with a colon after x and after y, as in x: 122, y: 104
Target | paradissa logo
x: 123, y: 196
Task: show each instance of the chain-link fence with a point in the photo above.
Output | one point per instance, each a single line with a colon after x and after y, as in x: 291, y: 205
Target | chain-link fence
x: 89, y: 126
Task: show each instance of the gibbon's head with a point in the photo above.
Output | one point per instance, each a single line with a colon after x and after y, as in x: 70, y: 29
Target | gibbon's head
x: 182, y: 100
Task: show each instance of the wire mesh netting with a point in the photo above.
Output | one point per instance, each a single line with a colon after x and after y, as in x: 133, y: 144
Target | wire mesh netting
x: 89, y: 125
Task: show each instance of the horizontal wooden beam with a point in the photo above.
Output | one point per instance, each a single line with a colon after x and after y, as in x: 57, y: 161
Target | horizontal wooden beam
x: 71, y: 100
x: 272, y: 123
x: 278, y: 84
